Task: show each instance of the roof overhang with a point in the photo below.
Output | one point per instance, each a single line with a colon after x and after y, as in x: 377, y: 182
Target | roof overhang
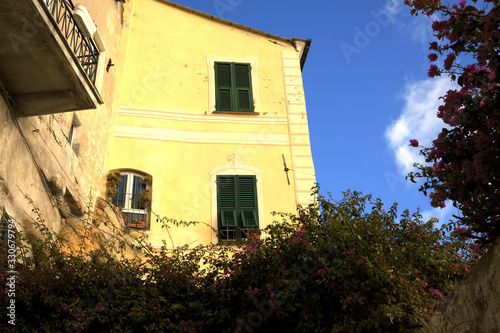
x: 301, y: 45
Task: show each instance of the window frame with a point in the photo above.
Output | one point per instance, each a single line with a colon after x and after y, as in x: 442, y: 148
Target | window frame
x: 75, y: 134
x: 127, y: 208
x: 235, y: 166
x: 253, y: 63
x: 235, y: 86
x: 238, y: 211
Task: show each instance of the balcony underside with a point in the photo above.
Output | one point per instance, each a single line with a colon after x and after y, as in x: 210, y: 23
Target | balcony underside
x: 37, y: 67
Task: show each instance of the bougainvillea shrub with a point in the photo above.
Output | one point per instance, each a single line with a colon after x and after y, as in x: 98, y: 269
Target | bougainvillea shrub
x: 346, y: 266
x: 464, y: 160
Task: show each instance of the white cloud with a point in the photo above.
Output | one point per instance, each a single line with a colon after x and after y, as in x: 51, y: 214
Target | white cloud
x: 442, y: 214
x: 393, y: 6
x: 417, y: 120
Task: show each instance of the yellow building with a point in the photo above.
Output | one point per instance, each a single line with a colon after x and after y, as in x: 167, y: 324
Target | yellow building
x: 208, y: 112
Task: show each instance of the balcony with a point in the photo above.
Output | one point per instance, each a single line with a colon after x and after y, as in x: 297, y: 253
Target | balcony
x: 47, y: 64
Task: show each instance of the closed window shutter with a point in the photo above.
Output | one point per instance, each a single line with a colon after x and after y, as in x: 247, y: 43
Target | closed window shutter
x: 226, y: 190
x: 243, y: 83
x: 119, y: 198
x: 224, y: 86
x: 237, y: 204
x: 138, y: 186
x: 248, y: 201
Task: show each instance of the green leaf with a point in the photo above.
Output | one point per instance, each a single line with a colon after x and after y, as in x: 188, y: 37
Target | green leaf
x: 458, y: 46
x: 458, y: 30
x: 470, y: 9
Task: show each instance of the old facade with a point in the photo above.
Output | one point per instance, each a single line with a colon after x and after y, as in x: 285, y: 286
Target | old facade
x: 57, y: 90
x: 202, y: 118
x: 208, y: 112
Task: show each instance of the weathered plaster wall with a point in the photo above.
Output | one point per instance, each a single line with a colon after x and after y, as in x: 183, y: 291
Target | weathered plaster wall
x: 36, y: 157
x: 475, y: 303
x: 19, y: 176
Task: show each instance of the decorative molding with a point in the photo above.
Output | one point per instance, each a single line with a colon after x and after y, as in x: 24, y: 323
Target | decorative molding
x: 201, y: 116
x: 235, y: 159
x: 187, y: 136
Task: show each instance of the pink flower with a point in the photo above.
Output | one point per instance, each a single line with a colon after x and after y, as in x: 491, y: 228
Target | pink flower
x: 440, y: 25
x: 433, y: 71
x: 432, y: 56
x: 251, y: 293
x: 448, y: 62
x: 413, y: 143
x: 436, y: 293
x: 462, y: 3
x: 433, y: 46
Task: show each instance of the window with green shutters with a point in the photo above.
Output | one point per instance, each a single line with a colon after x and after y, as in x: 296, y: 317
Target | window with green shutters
x: 236, y: 207
x: 233, y: 87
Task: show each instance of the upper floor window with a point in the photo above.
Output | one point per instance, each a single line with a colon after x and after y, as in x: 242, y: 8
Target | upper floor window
x: 133, y: 198
x: 233, y: 84
x: 75, y: 134
x: 237, y: 212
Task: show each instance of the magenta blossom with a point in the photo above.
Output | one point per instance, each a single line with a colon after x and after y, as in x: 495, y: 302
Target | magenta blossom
x: 433, y: 71
x: 413, y: 143
x: 432, y: 56
x: 448, y: 62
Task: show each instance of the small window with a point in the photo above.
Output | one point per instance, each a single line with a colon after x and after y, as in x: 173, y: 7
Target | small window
x: 133, y: 198
x: 233, y: 87
x: 237, y: 207
x: 74, y: 135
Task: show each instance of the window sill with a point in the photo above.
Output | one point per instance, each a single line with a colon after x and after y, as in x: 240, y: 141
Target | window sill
x: 237, y: 113
x: 137, y: 225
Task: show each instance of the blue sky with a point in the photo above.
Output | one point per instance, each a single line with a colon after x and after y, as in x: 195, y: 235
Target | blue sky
x: 366, y: 86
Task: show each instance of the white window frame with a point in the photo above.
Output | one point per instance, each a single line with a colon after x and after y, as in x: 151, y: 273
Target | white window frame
x: 129, y: 187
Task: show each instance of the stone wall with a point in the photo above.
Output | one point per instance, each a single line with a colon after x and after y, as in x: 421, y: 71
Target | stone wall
x: 42, y: 165
x: 474, y: 305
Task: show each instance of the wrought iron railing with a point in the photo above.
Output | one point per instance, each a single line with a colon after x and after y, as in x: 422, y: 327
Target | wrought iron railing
x: 83, y: 47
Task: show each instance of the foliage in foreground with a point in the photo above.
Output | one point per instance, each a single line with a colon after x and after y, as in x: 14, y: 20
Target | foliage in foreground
x: 349, y: 266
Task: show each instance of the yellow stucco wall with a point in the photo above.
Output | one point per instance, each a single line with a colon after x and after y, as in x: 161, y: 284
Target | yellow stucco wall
x: 165, y: 127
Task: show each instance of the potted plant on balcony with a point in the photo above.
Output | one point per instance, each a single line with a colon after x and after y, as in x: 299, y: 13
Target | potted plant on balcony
x: 141, y: 224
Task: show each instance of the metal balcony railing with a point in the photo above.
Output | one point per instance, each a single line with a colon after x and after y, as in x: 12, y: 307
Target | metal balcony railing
x: 83, y: 47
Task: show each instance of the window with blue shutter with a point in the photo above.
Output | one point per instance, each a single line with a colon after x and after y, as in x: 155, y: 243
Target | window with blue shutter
x: 128, y: 199
x: 233, y: 87
x: 237, y: 207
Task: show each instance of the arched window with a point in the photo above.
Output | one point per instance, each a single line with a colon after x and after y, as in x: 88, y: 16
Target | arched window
x: 133, y: 198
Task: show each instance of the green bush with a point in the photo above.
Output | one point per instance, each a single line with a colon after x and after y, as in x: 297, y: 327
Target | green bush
x: 347, y: 266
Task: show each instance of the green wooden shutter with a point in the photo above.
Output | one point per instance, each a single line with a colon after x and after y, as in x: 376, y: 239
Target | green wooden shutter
x: 243, y: 87
x: 226, y: 192
x: 248, y: 201
x: 224, y: 87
